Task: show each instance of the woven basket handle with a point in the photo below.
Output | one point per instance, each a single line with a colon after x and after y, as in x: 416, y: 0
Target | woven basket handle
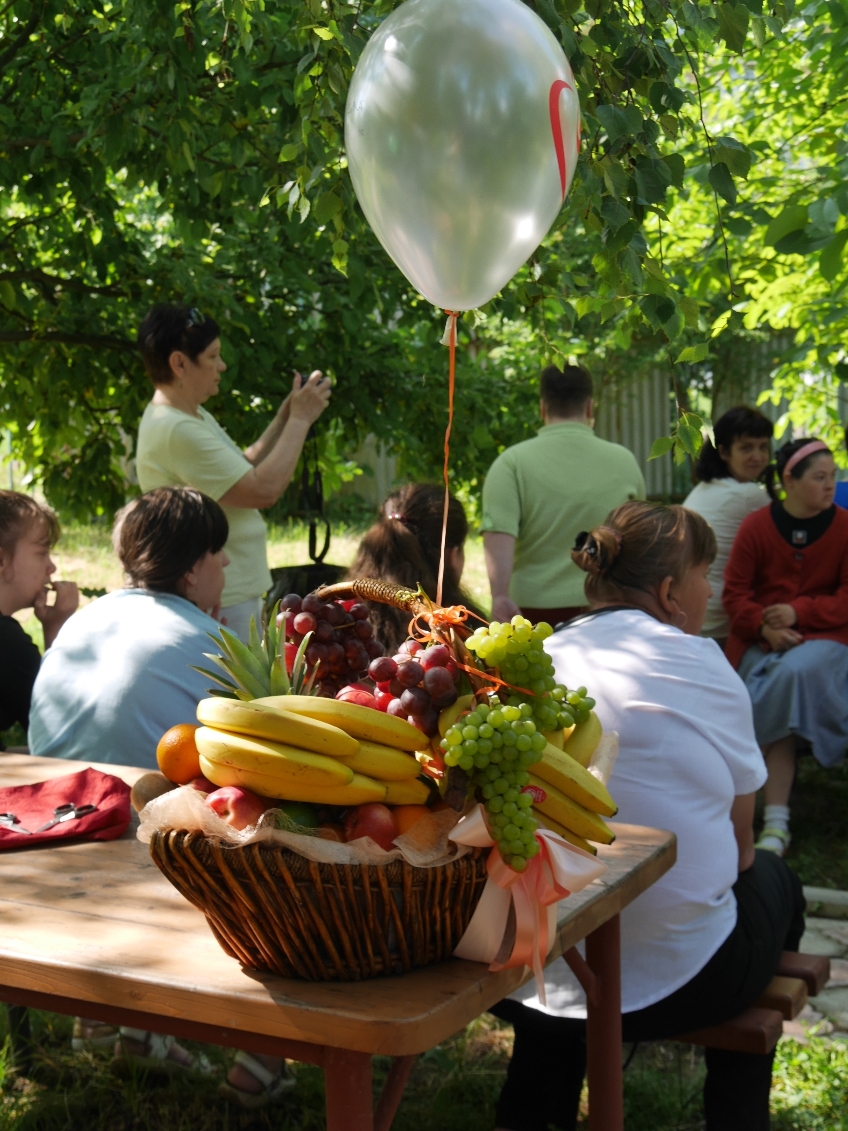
x: 369, y: 589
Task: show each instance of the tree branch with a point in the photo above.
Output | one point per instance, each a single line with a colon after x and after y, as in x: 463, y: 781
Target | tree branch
x: 62, y: 337
x: 21, y: 39
x: 36, y: 275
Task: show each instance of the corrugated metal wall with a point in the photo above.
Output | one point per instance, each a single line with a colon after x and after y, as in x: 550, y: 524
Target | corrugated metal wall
x: 635, y: 414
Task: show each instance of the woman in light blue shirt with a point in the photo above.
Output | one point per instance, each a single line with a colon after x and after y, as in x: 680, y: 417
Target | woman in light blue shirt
x: 119, y: 673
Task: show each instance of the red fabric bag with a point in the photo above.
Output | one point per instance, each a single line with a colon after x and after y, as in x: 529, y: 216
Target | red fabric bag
x: 33, y: 805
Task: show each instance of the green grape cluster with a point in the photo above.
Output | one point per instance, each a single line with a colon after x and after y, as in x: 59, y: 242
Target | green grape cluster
x: 517, y: 650
x: 495, y: 744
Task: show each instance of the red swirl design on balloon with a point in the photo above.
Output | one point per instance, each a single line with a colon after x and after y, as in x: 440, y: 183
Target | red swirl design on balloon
x: 557, y: 87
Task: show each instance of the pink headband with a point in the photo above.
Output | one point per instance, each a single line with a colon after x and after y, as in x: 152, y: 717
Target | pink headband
x: 802, y: 453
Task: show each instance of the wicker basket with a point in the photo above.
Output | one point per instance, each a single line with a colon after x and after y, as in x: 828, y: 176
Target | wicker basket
x: 273, y: 909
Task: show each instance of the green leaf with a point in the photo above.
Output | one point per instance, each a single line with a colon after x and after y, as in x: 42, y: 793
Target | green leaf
x: 652, y: 179
x: 615, y: 214
x: 793, y: 218
x: 289, y: 151
x: 677, y: 167
x: 690, y: 310
x: 7, y: 294
x: 722, y: 182
x: 690, y: 438
x: 733, y: 25
x: 326, y: 207
x: 736, y: 156
x: 323, y: 33
x: 695, y: 353
x: 661, y: 446
x: 830, y: 263
x: 613, y: 120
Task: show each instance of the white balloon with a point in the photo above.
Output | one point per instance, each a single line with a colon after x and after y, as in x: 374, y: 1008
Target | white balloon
x: 462, y: 130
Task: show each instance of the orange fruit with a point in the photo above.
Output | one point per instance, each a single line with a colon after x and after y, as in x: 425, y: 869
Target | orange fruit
x: 177, y: 754
x: 406, y: 816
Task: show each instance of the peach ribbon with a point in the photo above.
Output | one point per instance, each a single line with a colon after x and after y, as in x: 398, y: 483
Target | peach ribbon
x: 557, y: 870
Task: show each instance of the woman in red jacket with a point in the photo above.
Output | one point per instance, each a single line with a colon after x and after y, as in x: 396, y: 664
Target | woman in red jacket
x: 786, y: 592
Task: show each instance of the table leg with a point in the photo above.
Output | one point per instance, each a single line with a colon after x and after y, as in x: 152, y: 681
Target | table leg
x: 393, y: 1092
x: 603, y: 1030
x: 347, y: 1085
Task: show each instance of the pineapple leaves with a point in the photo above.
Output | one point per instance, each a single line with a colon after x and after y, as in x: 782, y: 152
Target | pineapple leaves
x: 258, y: 669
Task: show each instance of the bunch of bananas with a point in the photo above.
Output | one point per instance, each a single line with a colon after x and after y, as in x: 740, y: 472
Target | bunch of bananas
x: 568, y: 800
x: 306, y: 748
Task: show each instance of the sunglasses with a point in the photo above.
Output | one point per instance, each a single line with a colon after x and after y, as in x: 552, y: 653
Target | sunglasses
x: 195, y: 318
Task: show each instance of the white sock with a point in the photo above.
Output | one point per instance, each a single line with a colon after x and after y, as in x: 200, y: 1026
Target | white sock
x: 776, y: 817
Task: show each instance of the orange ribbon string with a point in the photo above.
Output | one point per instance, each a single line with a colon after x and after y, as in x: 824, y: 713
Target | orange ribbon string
x: 452, y: 317
x: 532, y: 893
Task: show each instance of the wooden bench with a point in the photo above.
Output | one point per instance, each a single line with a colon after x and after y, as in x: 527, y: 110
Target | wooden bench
x: 759, y: 1028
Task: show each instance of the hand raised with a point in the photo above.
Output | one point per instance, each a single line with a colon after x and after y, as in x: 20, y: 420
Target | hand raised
x: 310, y: 398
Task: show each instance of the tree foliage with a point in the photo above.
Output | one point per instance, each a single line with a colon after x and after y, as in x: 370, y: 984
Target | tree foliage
x: 155, y: 151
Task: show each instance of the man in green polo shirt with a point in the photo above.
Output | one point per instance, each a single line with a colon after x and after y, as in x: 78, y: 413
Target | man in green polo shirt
x: 541, y: 493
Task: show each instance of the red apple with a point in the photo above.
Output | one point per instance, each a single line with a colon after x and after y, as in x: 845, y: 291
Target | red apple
x: 374, y: 820
x: 202, y: 785
x: 238, y: 807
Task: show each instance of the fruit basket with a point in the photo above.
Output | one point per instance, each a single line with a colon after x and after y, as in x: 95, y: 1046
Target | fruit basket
x: 273, y: 909
x: 432, y: 741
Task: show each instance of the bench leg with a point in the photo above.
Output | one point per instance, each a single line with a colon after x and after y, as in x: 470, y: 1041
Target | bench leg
x: 603, y: 1030
x: 21, y: 1038
x: 347, y: 1085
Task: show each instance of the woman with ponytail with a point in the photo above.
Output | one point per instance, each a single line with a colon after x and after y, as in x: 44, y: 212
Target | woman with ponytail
x: 700, y: 945
x: 403, y: 547
x: 786, y: 593
x: 730, y: 487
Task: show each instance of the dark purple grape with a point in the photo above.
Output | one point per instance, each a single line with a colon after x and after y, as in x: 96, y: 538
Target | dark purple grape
x: 446, y: 700
x: 396, y: 687
x: 360, y: 611
x: 351, y: 647
x: 360, y: 661
x: 291, y: 601
x: 427, y: 724
x: 396, y: 708
x: 416, y: 701
x: 333, y: 613
x: 324, y: 631
x: 336, y: 654
x: 435, y: 657
x: 438, y: 682
x: 312, y: 604
x: 290, y: 615
x: 374, y: 648
x: 304, y: 622
x: 362, y: 629
x: 328, y: 688
x: 410, y: 674
x: 382, y: 669
x: 316, y: 653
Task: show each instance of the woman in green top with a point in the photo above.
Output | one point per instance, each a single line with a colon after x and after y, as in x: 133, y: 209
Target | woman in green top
x: 180, y: 444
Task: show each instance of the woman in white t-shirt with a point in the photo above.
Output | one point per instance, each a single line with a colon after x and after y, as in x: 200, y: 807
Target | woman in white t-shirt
x: 700, y: 945
x: 730, y: 487
x: 180, y: 444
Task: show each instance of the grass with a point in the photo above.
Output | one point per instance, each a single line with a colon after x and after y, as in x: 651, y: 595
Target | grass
x: 819, y: 849
x: 453, y: 1087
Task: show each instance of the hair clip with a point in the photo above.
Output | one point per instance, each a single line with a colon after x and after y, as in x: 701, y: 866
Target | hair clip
x: 195, y: 318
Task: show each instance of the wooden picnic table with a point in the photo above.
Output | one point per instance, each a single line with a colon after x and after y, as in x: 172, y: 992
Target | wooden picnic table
x: 95, y: 929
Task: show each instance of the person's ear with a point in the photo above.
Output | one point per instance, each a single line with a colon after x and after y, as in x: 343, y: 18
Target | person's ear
x: 7, y: 573
x: 177, y: 363
x: 667, y: 600
x: 188, y: 582
x: 723, y: 453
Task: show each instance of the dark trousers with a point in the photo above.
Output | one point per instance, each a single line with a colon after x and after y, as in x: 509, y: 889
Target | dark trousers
x: 545, y: 1075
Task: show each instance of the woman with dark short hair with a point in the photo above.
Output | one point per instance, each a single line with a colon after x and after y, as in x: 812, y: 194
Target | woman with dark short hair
x: 700, y: 945
x: 786, y: 592
x: 181, y: 444
x: 730, y: 486
x: 119, y: 672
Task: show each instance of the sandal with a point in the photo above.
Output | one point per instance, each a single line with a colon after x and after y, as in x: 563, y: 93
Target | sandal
x: 160, y: 1053
x: 774, y: 840
x: 274, y: 1084
x: 88, y: 1035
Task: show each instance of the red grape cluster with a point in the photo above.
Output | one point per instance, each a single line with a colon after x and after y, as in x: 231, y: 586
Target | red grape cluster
x: 342, y: 645
x: 415, y: 684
